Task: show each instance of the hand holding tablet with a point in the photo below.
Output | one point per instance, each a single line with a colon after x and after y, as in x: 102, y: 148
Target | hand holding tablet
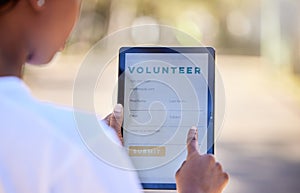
x: 199, y: 173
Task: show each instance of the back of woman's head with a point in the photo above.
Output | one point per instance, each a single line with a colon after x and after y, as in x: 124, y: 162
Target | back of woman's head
x: 7, y: 4
x: 32, y: 31
x: 4, y: 2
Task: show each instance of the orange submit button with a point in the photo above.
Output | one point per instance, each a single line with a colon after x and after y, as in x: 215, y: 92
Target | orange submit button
x: 147, y: 151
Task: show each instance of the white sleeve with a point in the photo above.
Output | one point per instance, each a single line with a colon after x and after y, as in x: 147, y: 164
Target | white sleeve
x: 83, y: 173
x: 101, y: 166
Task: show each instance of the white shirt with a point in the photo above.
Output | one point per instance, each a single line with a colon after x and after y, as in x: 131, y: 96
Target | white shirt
x: 41, y: 151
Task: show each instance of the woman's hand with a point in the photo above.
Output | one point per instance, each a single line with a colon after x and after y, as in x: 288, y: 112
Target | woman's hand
x: 115, y: 120
x: 199, y: 173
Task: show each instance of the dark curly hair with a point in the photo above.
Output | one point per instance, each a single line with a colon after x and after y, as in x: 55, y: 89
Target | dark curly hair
x: 6, y: 5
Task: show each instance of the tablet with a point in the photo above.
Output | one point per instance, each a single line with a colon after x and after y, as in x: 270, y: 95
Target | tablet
x: 165, y: 91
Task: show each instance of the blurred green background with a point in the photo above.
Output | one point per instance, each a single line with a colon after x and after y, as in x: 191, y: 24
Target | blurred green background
x: 258, y: 56
x: 268, y: 28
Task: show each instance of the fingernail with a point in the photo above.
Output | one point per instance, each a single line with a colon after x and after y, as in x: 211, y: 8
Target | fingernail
x: 194, y: 128
x: 195, y: 134
x: 118, y: 108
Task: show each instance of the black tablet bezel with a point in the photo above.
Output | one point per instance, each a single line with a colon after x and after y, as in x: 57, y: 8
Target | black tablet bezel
x: 211, y: 91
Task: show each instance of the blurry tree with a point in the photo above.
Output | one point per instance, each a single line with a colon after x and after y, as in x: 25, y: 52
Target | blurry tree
x: 232, y: 26
x: 92, y: 25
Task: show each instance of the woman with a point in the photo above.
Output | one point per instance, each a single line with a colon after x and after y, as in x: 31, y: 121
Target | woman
x: 40, y: 150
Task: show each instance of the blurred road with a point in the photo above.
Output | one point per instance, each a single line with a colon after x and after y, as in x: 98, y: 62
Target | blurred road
x: 260, y: 138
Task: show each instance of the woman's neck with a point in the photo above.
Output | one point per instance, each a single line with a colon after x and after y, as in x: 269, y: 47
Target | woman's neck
x: 11, y: 62
x: 13, y: 54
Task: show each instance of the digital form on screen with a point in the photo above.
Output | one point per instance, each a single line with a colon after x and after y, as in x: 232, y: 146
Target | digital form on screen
x: 164, y: 95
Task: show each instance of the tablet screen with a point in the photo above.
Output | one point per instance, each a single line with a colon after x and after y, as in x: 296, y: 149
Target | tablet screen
x: 165, y: 91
